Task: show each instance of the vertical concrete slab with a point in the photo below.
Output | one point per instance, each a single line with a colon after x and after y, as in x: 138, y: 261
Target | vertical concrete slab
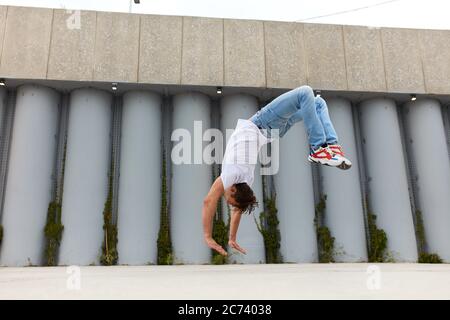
x: 116, y: 47
x: 364, y: 57
x: 202, y: 61
x: 435, y: 47
x: 244, y: 53
x: 325, y: 56
x: 72, y: 45
x: 3, y: 11
x: 285, y: 54
x: 402, y: 60
x: 26, y: 43
x: 160, y: 49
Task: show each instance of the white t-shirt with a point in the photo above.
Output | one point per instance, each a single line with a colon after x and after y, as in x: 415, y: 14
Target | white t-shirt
x: 241, y: 154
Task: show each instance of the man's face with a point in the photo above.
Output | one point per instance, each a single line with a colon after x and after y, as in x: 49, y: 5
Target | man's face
x: 229, y: 196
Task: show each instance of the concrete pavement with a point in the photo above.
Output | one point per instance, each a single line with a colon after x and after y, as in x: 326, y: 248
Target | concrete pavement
x: 286, y: 281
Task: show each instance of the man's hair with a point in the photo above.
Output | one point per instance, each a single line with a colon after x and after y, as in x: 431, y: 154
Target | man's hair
x: 245, y: 198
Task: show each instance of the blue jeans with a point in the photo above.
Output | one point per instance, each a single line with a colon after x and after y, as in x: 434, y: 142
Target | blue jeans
x: 296, y: 105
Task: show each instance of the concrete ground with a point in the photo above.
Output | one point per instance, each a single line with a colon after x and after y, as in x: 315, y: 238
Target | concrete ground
x: 286, y: 281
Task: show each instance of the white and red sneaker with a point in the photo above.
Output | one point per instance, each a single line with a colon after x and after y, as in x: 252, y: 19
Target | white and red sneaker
x: 323, y: 155
x: 336, y: 149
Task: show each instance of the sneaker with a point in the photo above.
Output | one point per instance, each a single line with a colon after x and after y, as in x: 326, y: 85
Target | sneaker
x: 336, y: 149
x: 324, y: 156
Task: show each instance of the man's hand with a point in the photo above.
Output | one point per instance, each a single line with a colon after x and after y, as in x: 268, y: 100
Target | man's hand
x: 233, y: 244
x: 215, y: 246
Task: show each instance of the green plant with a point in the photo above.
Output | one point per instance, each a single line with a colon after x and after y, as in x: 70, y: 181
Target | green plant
x: 424, y: 257
x: 220, y: 234
x: 109, y: 248
x: 164, y: 243
x: 268, y: 227
x: 325, y: 242
x: 429, y: 258
x: 378, y: 240
x: 53, y: 232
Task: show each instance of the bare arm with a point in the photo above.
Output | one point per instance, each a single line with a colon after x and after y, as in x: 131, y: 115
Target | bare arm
x: 208, y: 212
x: 234, y: 226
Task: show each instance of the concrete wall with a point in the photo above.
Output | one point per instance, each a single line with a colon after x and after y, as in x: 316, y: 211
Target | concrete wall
x: 220, y: 52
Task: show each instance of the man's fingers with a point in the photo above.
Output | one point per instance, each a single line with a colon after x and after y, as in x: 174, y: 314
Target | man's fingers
x: 238, y: 248
x: 219, y: 249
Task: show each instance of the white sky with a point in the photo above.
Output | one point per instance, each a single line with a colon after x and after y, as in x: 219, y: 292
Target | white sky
x: 430, y: 14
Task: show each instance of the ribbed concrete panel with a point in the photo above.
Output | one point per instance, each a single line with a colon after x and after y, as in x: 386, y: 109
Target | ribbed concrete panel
x: 233, y: 108
x: 244, y: 61
x: 430, y: 155
x: 26, y: 43
x: 402, y: 60
x: 3, y: 10
x: 28, y: 190
x: 435, y: 45
x: 364, y: 59
x: 295, y: 198
x: 388, y: 185
x: 72, y: 45
x: 285, y: 54
x: 160, y: 49
x: 344, y: 211
x: 190, y: 182
x: 325, y: 56
x: 116, y: 47
x: 85, y: 176
x: 140, y: 178
x: 202, y: 51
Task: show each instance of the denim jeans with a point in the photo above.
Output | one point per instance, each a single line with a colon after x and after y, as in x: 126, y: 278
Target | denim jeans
x: 296, y: 105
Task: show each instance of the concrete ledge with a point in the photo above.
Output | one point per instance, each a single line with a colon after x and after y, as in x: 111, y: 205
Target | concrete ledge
x: 151, y: 49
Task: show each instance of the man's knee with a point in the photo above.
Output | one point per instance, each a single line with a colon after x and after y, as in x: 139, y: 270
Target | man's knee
x: 305, y: 92
x: 306, y: 89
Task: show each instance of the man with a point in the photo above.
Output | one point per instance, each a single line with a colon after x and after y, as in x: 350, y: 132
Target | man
x: 242, y: 149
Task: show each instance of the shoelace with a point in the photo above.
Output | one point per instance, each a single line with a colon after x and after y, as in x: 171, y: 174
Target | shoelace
x: 336, y: 149
x: 328, y: 153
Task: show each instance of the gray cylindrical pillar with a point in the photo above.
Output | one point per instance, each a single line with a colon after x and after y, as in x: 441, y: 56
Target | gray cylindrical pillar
x: 85, y: 176
x: 295, y: 198
x: 191, y: 179
x: 140, y: 178
x: 344, y: 210
x: 430, y: 155
x: 28, y: 190
x: 388, y: 184
x: 233, y: 108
